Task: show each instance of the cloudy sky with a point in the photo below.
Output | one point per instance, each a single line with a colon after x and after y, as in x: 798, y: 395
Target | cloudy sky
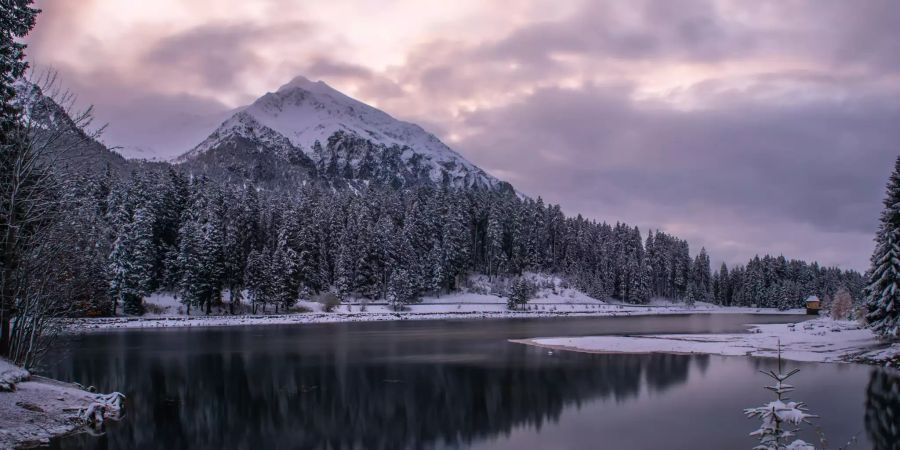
x: 744, y: 126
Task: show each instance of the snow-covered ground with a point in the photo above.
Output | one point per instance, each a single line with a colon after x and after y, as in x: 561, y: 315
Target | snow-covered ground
x: 818, y: 340
x: 456, y: 313
x: 480, y: 299
x: 170, y: 313
x: 40, y: 408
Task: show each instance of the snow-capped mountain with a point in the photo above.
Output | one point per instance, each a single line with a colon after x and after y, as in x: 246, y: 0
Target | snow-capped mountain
x: 309, y: 126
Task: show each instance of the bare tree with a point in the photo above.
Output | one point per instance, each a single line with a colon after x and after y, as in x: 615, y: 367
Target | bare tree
x: 33, y: 278
x: 842, y: 305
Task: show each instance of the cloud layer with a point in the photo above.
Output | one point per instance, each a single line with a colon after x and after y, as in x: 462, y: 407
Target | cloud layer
x: 746, y: 127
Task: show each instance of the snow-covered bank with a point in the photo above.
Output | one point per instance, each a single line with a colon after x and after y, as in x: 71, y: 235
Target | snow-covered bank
x: 448, y: 311
x: 818, y: 340
x: 477, y: 301
x: 38, y: 408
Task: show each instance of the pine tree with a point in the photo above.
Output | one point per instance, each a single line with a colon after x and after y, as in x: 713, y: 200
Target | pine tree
x: 282, y: 275
x: 383, y: 247
x: 690, y: 294
x: 18, y: 18
x: 701, y: 277
x: 520, y: 291
x: 258, y: 279
x: 132, y: 263
x: 780, y: 414
x: 190, y: 286
x: 496, y: 258
x: 405, y: 285
x: 883, y: 289
x: 643, y: 294
x: 724, y: 292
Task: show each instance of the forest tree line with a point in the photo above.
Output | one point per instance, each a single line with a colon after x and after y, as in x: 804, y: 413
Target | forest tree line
x: 163, y: 229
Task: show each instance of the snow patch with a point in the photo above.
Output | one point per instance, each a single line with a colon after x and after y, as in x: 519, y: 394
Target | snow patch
x: 818, y: 340
x: 10, y: 375
x: 40, y: 409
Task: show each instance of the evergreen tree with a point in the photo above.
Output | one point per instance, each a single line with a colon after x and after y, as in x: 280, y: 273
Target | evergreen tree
x: 883, y: 289
x: 259, y: 279
x: 701, y: 277
x: 132, y: 263
x: 17, y: 18
x: 520, y: 291
x: 405, y: 285
x: 191, y: 284
x: 723, y: 296
x: 282, y: 276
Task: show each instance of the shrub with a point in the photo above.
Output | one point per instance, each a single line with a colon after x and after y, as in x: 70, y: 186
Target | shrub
x: 329, y: 301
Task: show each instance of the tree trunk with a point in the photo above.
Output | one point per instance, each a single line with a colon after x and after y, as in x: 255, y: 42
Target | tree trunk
x: 5, y: 330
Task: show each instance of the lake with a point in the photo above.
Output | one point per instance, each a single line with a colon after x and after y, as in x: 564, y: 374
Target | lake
x: 451, y: 385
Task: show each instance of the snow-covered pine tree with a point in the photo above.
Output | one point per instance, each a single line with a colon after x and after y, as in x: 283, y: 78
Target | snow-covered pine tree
x: 132, y: 263
x: 455, y: 242
x: 690, y: 295
x: 520, y: 291
x: 435, y: 265
x: 701, y: 275
x: 383, y: 246
x: 402, y: 288
x: 189, y: 260
x: 345, y: 267
x: 723, y: 294
x: 779, y: 414
x: 644, y: 292
x: 18, y: 19
x: 406, y: 279
x: 258, y: 279
x: 213, y: 252
x: 282, y: 275
x: 883, y: 290
x: 494, y: 246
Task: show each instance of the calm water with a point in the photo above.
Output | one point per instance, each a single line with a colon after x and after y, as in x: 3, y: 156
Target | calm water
x: 396, y: 385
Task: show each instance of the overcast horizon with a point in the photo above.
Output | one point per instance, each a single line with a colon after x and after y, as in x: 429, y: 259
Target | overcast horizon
x: 744, y: 127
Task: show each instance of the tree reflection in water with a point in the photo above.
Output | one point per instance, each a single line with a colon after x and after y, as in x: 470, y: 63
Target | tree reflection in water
x: 447, y: 384
x: 341, y: 399
x: 883, y: 409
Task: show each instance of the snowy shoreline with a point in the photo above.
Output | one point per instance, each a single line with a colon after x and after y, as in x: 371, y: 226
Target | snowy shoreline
x: 38, y: 409
x: 446, y: 312
x: 818, y: 340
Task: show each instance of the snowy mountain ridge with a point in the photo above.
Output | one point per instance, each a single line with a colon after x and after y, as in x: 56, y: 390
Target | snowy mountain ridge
x: 340, y: 135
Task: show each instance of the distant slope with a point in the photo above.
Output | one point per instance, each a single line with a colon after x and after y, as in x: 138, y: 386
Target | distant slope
x: 72, y: 150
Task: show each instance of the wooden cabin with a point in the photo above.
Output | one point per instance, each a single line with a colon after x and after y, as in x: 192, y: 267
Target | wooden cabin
x: 813, y: 305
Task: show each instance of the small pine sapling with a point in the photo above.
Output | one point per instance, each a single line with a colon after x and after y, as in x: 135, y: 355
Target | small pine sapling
x: 781, y: 417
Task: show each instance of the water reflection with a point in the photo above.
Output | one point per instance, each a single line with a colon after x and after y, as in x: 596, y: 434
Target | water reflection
x: 332, y: 400
x: 883, y: 410
x: 447, y: 385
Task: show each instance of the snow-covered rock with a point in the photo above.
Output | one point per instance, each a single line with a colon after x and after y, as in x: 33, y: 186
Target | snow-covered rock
x: 11, y: 374
x: 40, y: 408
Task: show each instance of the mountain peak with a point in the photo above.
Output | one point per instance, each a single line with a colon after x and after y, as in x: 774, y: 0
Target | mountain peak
x: 301, y: 82
x: 303, y: 112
